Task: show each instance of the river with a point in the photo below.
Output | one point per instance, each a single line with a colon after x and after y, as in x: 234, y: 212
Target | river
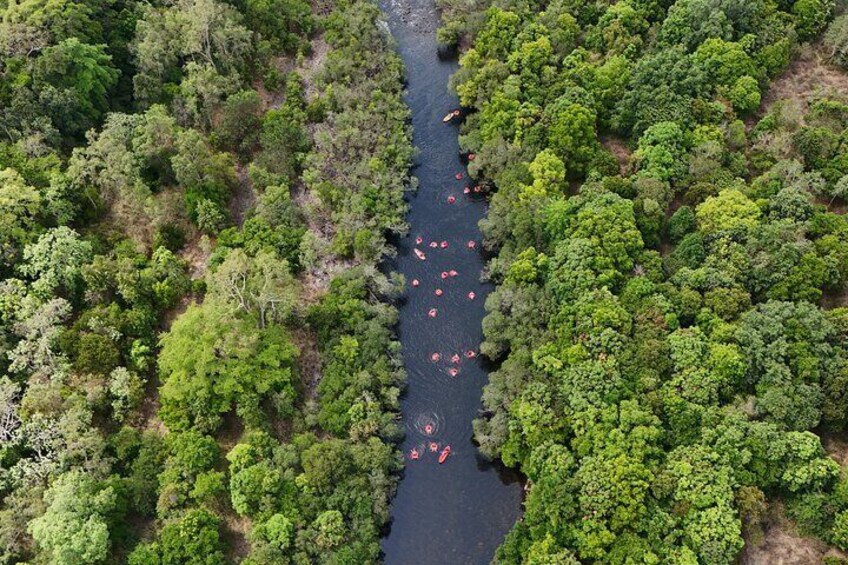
x: 457, y: 512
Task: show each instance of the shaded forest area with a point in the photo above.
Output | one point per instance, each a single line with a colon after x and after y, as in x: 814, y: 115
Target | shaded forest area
x: 671, y: 257
x: 197, y: 359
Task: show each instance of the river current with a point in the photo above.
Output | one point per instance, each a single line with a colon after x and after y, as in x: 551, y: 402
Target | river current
x: 456, y: 512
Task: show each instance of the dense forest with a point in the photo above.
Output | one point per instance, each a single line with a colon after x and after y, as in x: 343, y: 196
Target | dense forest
x: 197, y: 358
x: 671, y: 254
x: 198, y: 361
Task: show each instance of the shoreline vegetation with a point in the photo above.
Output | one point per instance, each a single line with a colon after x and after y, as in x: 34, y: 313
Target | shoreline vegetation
x: 670, y: 260
x: 197, y: 354
x: 197, y: 357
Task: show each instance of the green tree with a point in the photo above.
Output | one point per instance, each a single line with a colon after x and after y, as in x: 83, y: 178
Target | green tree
x: 204, y: 174
x: 839, y: 530
x: 331, y: 529
x: 262, y: 286
x: 745, y: 95
x: 661, y: 150
x: 75, y: 79
x: 278, y: 532
x: 812, y: 16
x: 126, y: 390
x: 282, y: 22
x: 212, y: 362
x: 20, y: 206
x: 730, y: 210
x: 789, y: 355
x: 74, y: 529
x: 494, y: 39
x: 167, y: 36
x: 681, y: 223
x: 191, y: 539
x: 724, y: 62
x: 572, y: 136
x: 55, y: 261
x: 663, y: 87
x: 240, y: 122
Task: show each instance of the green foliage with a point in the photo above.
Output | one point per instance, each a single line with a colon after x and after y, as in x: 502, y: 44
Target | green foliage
x: 282, y: 22
x: 812, y: 16
x: 213, y: 361
x: 131, y: 131
x: 75, y: 529
x: 745, y: 95
x: 730, y: 210
x: 359, y: 168
x: 96, y: 354
x: 171, y: 36
x: 790, y: 356
x: 256, y: 486
x: 126, y: 390
x: 660, y: 151
x: 659, y: 374
x: 681, y: 223
x: 79, y: 76
x: 207, y: 177
x: 240, y: 122
x: 283, y: 139
x: 655, y: 400
x: 572, y: 136
x: 54, y: 262
x: 663, y: 87
x: 144, y: 462
x: 331, y: 529
x: 191, y: 540
x: 691, y: 22
x: 839, y: 532
x: 619, y: 30
x: 278, y: 532
x: 360, y: 386
x: 261, y: 286
x: 20, y: 206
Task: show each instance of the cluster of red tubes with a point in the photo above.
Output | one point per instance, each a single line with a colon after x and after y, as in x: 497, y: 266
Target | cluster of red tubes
x: 455, y: 359
x: 436, y: 357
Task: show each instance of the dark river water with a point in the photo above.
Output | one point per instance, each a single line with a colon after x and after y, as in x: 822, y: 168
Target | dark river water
x: 457, y: 512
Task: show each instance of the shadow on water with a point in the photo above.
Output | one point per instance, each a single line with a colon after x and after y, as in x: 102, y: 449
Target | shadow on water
x: 457, y: 512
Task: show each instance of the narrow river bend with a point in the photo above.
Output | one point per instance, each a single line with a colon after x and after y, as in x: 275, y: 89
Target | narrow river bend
x: 458, y: 512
